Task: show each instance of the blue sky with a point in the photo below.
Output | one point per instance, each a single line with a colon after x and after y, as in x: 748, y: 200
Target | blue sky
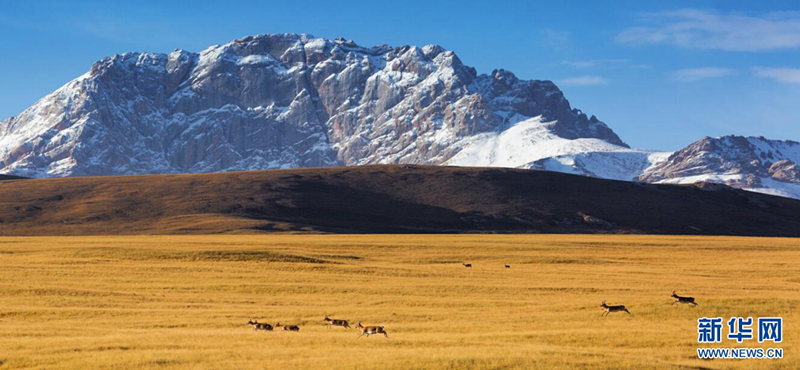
x: 661, y: 74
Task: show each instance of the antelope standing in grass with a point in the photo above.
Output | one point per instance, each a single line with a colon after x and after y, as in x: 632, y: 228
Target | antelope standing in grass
x: 369, y: 330
x: 336, y: 322
x: 679, y: 299
x: 467, y: 264
x: 609, y: 309
x: 508, y: 266
x: 288, y: 327
x: 259, y: 325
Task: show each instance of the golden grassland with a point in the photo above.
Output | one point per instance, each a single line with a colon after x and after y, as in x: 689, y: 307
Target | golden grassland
x: 183, y: 301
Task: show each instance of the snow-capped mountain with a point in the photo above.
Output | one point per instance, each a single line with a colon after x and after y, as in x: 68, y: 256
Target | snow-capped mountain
x: 279, y: 101
x: 752, y: 163
x: 287, y: 100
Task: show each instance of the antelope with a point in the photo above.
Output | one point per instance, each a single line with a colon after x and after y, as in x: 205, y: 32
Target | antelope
x: 610, y: 309
x: 336, y: 322
x: 467, y: 264
x: 679, y: 299
x: 288, y: 327
x: 259, y: 325
x: 369, y: 330
x: 508, y: 266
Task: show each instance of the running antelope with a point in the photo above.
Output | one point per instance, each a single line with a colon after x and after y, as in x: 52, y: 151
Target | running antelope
x: 467, y: 264
x: 610, y: 309
x: 288, y: 327
x: 679, y: 299
x: 336, y: 322
x: 369, y: 330
x: 259, y: 325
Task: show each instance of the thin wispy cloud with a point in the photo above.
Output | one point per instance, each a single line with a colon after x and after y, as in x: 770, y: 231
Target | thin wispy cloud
x: 584, y: 81
x: 555, y: 39
x: 696, y: 74
x: 698, y: 29
x: 604, y: 64
x: 784, y: 75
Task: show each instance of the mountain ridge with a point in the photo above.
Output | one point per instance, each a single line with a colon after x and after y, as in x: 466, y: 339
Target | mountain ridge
x: 747, y: 162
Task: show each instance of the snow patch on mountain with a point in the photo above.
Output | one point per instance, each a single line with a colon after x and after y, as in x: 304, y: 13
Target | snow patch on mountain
x: 779, y: 188
x: 522, y: 143
x: 622, y: 164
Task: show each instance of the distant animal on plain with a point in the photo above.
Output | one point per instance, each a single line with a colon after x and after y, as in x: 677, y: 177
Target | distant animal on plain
x: 679, y: 299
x: 259, y: 325
x: 369, y: 330
x: 288, y: 327
x: 508, y: 266
x: 617, y: 308
x: 336, y: 322
x: 467, y: 264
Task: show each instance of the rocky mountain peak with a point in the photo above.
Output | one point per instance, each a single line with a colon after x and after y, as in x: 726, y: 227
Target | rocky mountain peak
x: 736, y: 160
x: 276, y: 101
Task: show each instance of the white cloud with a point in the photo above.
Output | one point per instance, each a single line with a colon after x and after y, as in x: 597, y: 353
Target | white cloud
x: 700, y: 29
x: 584, y: 81
x: 785, y: 75
x: 694, y: 74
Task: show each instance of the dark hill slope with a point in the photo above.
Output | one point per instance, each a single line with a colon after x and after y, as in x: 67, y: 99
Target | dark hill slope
x: 384, y: 199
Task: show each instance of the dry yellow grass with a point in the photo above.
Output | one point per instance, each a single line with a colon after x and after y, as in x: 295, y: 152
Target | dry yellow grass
x: 183, y: 301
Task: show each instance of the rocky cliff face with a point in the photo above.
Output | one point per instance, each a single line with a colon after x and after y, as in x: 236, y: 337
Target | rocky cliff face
x: 276, y: 101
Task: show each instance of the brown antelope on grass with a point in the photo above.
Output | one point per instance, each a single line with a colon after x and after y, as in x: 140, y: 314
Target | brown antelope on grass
x: 288, y: 327
x: 369, y: 330
x: 259, y: 325
x: 467, y: 264
x: 609, y: 309
x: 679, y: 299
x: 336, y: 322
